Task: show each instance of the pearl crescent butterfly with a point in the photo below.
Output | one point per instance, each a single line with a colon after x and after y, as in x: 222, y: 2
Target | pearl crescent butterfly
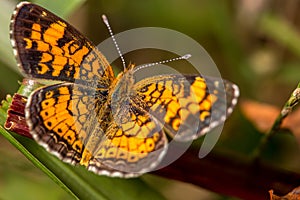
x: 114, y: 126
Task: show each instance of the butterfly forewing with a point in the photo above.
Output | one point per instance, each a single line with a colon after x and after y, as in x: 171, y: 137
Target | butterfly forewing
x: 48, y: 47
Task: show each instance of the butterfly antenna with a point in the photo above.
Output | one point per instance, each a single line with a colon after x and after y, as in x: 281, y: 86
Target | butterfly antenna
x: 105, y: 20
x: 184, y: 57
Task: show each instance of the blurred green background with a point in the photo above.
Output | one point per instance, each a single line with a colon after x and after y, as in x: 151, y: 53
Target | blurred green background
x: 254, y: 43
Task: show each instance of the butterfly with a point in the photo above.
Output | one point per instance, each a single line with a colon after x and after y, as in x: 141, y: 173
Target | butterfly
x: 114, y: 126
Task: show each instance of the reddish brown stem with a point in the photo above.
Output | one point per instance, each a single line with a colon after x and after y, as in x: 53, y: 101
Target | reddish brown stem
x: 231, y: 175
x: 16, y: 116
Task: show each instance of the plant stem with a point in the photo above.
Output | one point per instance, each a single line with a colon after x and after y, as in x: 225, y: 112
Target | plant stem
x: 286, y: 110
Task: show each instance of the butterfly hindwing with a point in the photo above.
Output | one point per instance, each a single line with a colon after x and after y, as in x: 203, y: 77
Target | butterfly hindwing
x: 66, y: 119
x: 133, y: 147
x: 61, y: 117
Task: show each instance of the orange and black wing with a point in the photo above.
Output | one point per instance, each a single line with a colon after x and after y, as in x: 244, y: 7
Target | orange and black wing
x: 48, y: 47
x: 72, y: 122
x: 187, y: 106
x: 134, y: 143
x: 61, y: 118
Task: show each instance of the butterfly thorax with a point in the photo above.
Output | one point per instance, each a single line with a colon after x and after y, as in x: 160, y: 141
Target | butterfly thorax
x: 121, y: 92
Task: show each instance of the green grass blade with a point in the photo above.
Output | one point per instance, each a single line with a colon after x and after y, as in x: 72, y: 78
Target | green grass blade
x: 17, y: 142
